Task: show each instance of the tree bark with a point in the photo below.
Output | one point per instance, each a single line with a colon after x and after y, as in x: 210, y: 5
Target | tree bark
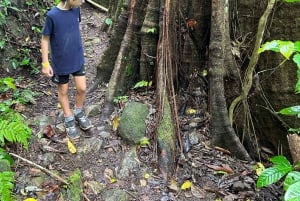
x: 294, y: 144
x: 222, y: 132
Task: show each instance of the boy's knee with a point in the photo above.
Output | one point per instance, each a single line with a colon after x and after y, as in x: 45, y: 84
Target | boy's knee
x: 81, y: 91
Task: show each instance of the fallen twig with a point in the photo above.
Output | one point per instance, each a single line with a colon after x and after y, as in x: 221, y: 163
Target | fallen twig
x: 97, y: 5
x: 85, y: 197
x: 40, y: 167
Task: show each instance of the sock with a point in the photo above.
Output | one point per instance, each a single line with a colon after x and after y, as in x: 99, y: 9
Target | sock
x: 69, y: 118
x: 77, y: 110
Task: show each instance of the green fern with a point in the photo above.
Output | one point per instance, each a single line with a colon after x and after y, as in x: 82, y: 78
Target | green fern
x: 13, y: 128
x: 6, y: 185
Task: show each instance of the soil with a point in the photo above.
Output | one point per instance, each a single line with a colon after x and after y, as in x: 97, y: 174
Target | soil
x: 213, y: 172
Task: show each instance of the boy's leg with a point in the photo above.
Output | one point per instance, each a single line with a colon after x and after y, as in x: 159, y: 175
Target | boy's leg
x: 63, y: 98
x: 80, y: 84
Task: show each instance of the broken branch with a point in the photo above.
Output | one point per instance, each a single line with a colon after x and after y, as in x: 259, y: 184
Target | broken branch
x: 40, y: 167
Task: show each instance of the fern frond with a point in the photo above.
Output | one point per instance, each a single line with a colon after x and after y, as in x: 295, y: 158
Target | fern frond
x: 6, y: 185
x: 13, y: 128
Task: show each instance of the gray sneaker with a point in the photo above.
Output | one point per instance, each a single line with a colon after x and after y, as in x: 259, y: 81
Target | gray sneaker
x: 71, y: 130
x: 83, y: 121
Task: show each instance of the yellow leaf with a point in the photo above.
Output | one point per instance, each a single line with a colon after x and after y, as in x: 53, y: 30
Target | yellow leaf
x: 186, y: 185
x: 218, y: 199
x: 27, y: 38
x: 150, y: 84
x: 113, y: 180
x: 146, y: 176
x: 58, y: 106
x: 191, y: 111
x: 115, y: 123
x: 259, y: 167
x: 71, y: 147
x: 30, y: 199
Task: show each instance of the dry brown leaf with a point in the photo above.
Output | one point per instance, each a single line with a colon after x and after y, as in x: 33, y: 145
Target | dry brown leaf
x: 48, y: 131
x: 173, y: 185
x: 108, y: 173
x: 143, y: 182
x: 225, y: 151
x: 221, y: 168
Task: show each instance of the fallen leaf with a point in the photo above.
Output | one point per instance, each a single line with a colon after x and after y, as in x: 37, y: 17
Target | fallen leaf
x: 108, y: 174
x: 221, y: 168
x: 71, y: 147
x: 146, y: 175
x: 259, y: 167
x: 115, y: 123
x: 191, y: 111
x: 173, y: 185
x: 48, y: 131
x: 113, y: 180
x: 186, y: 185
x: 143, y: 182
x: 27, y: 38
x: 30, y: 199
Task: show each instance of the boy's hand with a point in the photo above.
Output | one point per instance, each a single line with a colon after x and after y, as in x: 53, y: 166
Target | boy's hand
x: 47, y: 71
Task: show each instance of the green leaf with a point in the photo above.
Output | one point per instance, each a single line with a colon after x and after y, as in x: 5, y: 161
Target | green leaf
x: 144, y: 141
x: 293, y: 192
x: 293, y: 110
x: 296, y: 59
x: 291, y: 178
x: 6, y: 185
x: 286, y: 48
x: 280, y: 161
x: 108, y: 21
x: 297, y: 87
x: 273, y: 174
x: 6, y: 156
x: 297, y: 46
x: 152, y: 30
x: 269, y: 176
x: 142, y: 83
x: 9, y: 81
x: 292, y: 1
x: 272, y: 45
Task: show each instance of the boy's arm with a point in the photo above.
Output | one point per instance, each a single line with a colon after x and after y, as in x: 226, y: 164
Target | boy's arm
x: 45, y: 48
x: 46, y: 67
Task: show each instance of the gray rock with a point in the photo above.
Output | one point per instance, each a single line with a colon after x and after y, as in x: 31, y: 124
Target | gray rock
x: 116, y: 194
x: 90, y: 145
x: 128, y: 164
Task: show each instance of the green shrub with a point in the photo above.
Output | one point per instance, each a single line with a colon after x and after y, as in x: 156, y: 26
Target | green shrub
x: 282, y: 168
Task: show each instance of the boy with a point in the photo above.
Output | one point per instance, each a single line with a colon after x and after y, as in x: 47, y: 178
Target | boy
x: 62, y: 32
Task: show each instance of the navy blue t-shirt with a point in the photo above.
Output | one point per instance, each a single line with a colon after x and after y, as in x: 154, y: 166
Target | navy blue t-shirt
x: 62, y: 26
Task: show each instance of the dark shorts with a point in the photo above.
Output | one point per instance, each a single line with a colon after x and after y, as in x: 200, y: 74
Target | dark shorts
x: 63, y: 79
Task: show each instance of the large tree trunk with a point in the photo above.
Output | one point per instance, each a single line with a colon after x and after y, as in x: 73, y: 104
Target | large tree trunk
x: 222, y: 132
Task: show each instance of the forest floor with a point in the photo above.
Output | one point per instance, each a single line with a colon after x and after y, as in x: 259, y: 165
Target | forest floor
x: 213, y: 172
